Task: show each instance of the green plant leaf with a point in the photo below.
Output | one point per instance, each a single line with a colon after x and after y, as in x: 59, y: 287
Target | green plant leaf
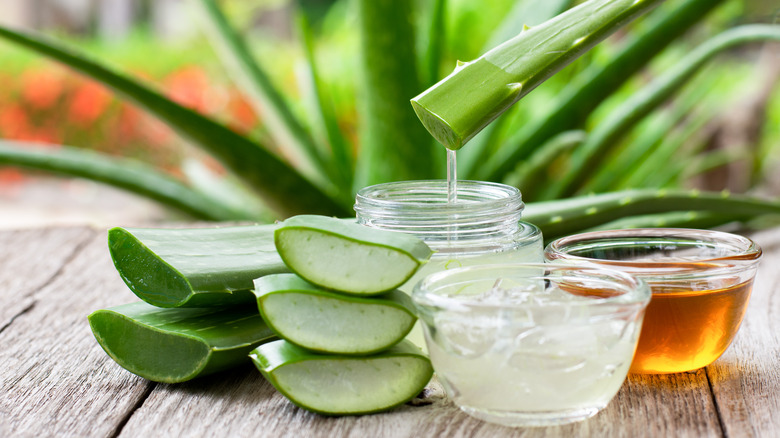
x: 597, y: 83
x: 525, y: 13
x: 606, y: 134
x: 393, y: 145
x: 675, y: 219
x: 285, y: 128
x: 567, y: 216
x: 127, y: 174
x: 340, y: 164
x: 477, y: 92
x: 530, y: 174
x: 283, y: 189
x: 437, y: 35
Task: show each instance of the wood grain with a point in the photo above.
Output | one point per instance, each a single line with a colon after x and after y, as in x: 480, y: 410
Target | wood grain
x: 746, y: 379
x: 56, y: 381
x: 28, y: 260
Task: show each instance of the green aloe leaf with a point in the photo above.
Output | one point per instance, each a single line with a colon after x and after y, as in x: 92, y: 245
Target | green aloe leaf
x: 194, y: 267
x: 597, y: 83
x: 437, y: 35
x: 530, y: 174
x: 176, y: 345
x: 477, y: 92
x: 283, y: 189
x: 340, y: 162
x: 675, y: 219
x: 329, y: 322
x: 640, y: 104
x: 363, y: 385
x: 131, y: 175
x: 393, y: 145
x: 283, y: 125
x: 562, y: 217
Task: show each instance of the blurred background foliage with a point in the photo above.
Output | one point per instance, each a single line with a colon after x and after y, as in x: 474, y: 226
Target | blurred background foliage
x: 720, y: 131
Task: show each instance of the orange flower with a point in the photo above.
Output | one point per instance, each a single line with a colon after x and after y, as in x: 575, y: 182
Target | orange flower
x: 189, y: 87
x: 242, y: 116
x: 89, y: 101
x: 13, y: 121
x: 41, y: 88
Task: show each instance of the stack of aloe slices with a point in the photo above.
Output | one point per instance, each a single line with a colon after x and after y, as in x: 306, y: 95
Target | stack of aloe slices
x: 341, y: 319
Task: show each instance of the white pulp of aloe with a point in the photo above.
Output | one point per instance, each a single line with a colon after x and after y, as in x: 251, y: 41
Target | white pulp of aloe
x: 532, y: 359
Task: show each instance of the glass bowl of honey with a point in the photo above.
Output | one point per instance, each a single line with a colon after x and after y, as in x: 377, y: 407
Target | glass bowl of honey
x: 700, y: 281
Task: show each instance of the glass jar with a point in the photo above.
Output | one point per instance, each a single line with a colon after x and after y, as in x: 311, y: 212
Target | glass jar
x: 482, y: 227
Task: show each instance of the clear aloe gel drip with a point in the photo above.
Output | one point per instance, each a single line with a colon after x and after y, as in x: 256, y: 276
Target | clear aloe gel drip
x: 452, y: 176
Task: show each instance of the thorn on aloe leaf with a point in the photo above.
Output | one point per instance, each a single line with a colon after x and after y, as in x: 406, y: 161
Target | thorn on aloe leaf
x: 526, y: 27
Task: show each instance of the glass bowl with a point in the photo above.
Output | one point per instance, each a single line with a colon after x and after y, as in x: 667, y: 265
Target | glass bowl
x: 700, y: 281
x: 531, y: 344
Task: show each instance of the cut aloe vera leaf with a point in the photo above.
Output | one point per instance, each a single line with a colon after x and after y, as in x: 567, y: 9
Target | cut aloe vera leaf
x: 204, y: 267
x: 328, y: 322
x: 349, y: 257
x: 344, y: 385
x: 176, y: 345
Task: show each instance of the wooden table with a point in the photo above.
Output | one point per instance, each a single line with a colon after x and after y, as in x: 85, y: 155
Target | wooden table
x: 56, y: 381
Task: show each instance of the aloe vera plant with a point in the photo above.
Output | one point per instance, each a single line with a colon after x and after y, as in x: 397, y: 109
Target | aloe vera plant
x: 176, y: 345
x: 522, y: 146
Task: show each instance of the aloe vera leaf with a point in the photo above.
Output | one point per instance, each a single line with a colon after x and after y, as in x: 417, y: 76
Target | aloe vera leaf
x: 282, y: 124
x: 529, y: 174
x: 460, y: 105
x: 123, y: 173
x: 344, y: 385
x: 567, y: 216
x: 525, y: 13
x: 349, y: 257
x: 675, y: 219
x: 176, y: 345
x: 340, y: 157
x: 597, y: 83
x: 283, y: 189
x: 393, y: 145
x: 437, y: 34
x: 648, y: 98
x: 316, y: 319
x: 203, y: 267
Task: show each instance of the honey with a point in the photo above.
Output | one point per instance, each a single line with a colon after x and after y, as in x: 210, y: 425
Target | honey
x: 685, y: 330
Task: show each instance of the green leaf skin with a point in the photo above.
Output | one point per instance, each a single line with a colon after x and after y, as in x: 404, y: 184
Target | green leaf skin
x: 348, y: 257
x: 123, y: 173
x: 313, y: 318
x: 463, y: 103
x: 282, y: 188
x: 176, y: 345
x: 569, y: 216
x: 194, y: 267
x: 344, y: 385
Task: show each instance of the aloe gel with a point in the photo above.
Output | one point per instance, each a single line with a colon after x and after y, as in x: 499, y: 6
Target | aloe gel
x: 176, y: 345
x: 344, y: 385
x: 323, y: 321
x: 348, y: 257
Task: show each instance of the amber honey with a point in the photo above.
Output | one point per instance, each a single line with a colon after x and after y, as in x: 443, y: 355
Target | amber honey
x: 685, y: 330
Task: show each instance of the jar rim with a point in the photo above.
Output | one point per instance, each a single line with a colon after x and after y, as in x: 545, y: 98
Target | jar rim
x: 738, y: 252
x: 421, y: 196
x: 632, y: 290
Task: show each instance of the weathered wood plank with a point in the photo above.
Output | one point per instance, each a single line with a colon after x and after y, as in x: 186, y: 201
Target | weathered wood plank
x: 29, y: 259
x: 55, y: 379
x: 746, y: 379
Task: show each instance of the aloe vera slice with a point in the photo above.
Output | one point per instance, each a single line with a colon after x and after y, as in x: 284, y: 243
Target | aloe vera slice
x: 311, y: 317
x: 203, y: 267
x: 344, y: 385
x: 176, y: 345
x: 348, y: 257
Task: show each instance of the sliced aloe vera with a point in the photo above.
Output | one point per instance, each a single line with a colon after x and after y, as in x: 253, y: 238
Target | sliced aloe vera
x: 176, y: 345
x: 311, y: 317
x: 348, y: 257
x: 203, y: 267
x: 344, y: 385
